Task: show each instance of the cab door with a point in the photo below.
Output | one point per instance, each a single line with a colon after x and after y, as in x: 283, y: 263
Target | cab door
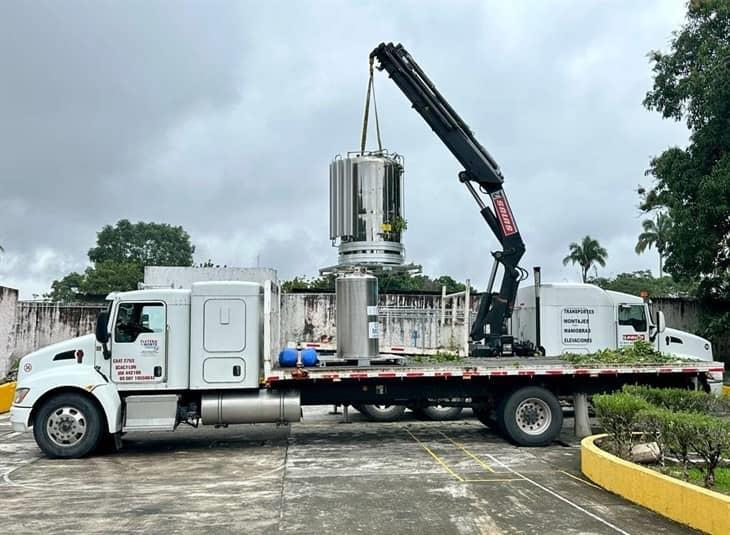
x: 139, y: 344
x: 632, y: 324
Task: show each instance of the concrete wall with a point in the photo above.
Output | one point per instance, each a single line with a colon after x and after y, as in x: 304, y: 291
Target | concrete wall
x: 39, y: 324
x: 406, y: 320
x: 8, y: 304
x: 183, y: 277
x: 684, y: 314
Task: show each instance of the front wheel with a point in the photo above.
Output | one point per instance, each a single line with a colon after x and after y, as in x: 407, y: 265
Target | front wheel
x: 67, y: 426
x: 530, y: 416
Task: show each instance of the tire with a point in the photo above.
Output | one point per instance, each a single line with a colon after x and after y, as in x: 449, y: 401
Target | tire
x: 382, y: 413
x: 67, y: 426
x: 438, y: 413
x: 530, y: 416
x: 485, y: 416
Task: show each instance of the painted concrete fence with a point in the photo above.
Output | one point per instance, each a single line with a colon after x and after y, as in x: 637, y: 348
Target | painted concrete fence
x: 28, y: 325
x: 406, y: 320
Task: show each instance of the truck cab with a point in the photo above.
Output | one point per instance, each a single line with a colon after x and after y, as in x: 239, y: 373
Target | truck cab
x: 583, y: 318
x: 159, y: 357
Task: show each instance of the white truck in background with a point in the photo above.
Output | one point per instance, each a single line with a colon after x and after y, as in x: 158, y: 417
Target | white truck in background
x: 165, y: 357
x: 584, y: 318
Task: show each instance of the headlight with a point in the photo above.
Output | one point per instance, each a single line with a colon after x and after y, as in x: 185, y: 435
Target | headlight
x: 20, y: 394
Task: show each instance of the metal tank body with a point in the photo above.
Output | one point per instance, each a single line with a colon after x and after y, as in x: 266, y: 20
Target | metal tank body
x: 366, y: 209
x: 358, y: 330
x: 249, y: 407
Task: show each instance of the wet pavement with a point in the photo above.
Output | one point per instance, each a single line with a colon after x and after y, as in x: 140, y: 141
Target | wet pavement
x: 318, y: 476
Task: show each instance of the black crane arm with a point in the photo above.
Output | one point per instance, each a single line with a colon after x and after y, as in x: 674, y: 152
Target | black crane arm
x: 479, y: 168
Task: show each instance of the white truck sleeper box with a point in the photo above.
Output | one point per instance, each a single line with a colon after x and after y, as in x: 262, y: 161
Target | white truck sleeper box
x: 225, y: 343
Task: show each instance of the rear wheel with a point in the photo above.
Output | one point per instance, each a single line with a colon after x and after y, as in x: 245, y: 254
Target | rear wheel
x: 382, y: 413
x: 438, y: 413
x: 530, y: 416
x: 67, y: 426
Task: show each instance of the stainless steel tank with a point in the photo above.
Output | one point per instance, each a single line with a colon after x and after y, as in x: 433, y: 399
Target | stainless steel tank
x: 241, y: 407
x: 358, y: 331
x: 366, y: 209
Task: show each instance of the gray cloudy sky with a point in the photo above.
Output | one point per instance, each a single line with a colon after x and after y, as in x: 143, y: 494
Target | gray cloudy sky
x: 222, y: 117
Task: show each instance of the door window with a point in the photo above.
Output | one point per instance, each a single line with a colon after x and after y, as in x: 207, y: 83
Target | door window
x: 134, y: 319
x: 634, y: 316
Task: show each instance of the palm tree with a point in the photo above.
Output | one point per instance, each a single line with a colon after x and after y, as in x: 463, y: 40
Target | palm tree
x: 655, y: 233
x: 585, y: 254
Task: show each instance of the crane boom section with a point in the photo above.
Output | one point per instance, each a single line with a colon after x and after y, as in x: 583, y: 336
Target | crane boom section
x: 440, y: 116
x: 479, y: 168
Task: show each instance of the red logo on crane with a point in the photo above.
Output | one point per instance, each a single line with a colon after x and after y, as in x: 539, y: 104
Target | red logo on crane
x: 504, y: 213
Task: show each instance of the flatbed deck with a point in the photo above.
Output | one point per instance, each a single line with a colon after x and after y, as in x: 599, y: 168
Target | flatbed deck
x: 489, y: 367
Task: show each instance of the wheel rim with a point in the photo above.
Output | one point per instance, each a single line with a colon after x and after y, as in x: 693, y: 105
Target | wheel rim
x: 66, y: 426
x: 533, y: 416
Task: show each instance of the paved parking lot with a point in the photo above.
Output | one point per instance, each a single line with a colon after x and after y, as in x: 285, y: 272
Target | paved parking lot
x: 319, y: 476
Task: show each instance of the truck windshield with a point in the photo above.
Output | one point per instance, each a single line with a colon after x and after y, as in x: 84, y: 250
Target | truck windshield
x: 633, y: 315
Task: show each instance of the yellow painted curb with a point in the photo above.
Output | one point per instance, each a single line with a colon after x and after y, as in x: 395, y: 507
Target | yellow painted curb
x: 7, y: 393
x: 726, y: 390
x: 688, y: 504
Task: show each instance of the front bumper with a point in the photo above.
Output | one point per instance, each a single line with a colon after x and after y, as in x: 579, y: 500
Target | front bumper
x: 19, y: 418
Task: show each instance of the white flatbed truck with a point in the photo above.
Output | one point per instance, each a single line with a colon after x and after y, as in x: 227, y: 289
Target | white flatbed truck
x: 165, y: 357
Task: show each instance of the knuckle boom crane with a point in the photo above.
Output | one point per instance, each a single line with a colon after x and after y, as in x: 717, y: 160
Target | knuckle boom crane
x: 482, y: 171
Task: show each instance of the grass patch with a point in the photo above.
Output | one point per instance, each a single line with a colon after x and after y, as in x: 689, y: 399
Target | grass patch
x: 439, y: 357
x: 697, y: 477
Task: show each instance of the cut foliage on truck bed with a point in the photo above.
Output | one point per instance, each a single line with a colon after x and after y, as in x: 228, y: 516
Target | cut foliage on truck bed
x: 640, y: 352
x: 440, y: 356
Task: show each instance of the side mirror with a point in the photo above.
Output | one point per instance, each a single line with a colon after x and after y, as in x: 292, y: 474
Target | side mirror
x: 661, y: 323
x: 102, y: 331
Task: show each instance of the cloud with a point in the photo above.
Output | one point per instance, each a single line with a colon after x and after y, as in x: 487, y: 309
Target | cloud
x: 223, y: 117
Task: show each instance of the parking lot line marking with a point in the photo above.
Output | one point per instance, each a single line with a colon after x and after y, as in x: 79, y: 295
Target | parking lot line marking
x: 561, y: 498
x: 438, y: 459
x: 580, y: 479
x: 493, y: 480
x: 470, y: 454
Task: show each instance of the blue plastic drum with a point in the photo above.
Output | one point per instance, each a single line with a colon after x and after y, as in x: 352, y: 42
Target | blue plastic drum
x: 288, y: 357
x: 309, y: 357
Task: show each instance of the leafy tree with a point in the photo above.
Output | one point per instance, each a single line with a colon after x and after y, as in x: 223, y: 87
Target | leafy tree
x: 585, y: 254
x: 119, y: 258
x: 389, y: 281
x: 67, y: 289
x: 147, y: 244
x: 656, y: 233
x: 112, y: 276
x: 325, y: 283
x: 692, y: 83
x: 637, y: 281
